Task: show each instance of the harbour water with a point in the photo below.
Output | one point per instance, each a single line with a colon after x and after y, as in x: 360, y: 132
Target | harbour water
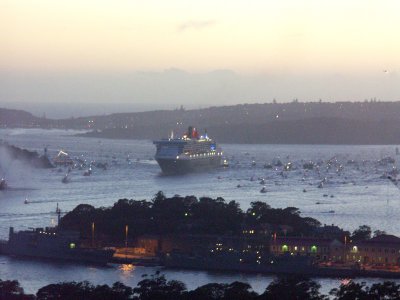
x: 355, y: 191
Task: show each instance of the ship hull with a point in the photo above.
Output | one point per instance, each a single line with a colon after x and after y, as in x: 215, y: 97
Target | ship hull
x: 183, y: 166
x: 53, y: 245
x: 91, y: 256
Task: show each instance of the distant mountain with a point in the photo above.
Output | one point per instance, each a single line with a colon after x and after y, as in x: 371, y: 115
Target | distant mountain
x: 289, y: 123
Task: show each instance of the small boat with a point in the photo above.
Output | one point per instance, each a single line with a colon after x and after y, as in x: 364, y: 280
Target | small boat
x: 26, y: 201
x: 88, y: 172
x: 308, y: 165
x: 3, y: 184
x: 225, y: 163
x: 263, y: 190
x: 65, y: 179
x: 262, y: 181
x: 63, y: 159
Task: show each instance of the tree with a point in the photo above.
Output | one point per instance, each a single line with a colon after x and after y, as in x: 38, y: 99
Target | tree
x: 65, y: 291
x: 351, y: 291
x: 159, y: 197
x: 118, y: 291
x: 293, y: 288
x: 11, y: 290
x: 388, y: 290
x: 362, y: 233
x: 239, y: 291
x: 211, y: 291
x: 158, y: 288
x: 379, y: 232
x: 222, y: 291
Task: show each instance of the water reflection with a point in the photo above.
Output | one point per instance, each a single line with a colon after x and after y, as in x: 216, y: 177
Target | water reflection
x: 126, y: 268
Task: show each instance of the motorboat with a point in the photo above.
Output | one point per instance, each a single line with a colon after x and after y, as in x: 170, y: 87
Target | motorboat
x: 3, y: 184
x: 88, y: 172
x: 65, y: 179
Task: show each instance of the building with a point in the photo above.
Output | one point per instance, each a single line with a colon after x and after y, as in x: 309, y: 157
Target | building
x: 322, y: 249
x: 381, y: 250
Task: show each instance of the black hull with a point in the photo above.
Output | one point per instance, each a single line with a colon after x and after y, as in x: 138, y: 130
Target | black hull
x: 183, y: 166
x: 90, y: 256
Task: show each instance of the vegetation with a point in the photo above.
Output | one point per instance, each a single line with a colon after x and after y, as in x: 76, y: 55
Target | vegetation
x: 11, y: 290
x: 157, y: 287
x: 362, y: 233
x: 301, y: 123
x: 182, y: 215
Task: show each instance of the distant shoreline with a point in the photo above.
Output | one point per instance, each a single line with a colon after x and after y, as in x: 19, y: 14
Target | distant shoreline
x: 304, y: 123
x: 303, y: 132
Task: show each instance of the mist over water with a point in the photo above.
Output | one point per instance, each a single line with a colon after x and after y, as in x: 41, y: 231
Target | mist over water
x: 357, y: 194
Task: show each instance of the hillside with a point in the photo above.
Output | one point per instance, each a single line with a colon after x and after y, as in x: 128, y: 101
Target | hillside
x: 288, y: 123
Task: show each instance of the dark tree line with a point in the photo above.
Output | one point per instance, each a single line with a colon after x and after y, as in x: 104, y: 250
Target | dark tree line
x: 181, y: 215
x: 157, y: 287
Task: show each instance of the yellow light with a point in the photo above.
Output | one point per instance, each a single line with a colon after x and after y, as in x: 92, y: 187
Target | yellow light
x: 126, y: 267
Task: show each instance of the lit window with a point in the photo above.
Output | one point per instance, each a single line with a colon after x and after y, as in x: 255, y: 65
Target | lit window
x: 72, y: 246
x: 285, y: 248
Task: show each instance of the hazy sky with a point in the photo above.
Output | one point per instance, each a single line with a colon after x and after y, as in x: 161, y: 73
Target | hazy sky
x: 132, y: 51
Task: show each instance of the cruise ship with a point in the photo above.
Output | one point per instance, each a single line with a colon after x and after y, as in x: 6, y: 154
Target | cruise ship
x: 190, y: 153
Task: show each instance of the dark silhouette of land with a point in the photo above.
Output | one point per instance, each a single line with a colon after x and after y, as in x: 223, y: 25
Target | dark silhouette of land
x: 276, y: 123
x: 184, y: 215
x: 31, y: 158
x: 157, y: 286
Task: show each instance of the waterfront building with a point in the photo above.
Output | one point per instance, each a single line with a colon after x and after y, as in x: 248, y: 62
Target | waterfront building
x: 321, y: 249
x: 383, y: 250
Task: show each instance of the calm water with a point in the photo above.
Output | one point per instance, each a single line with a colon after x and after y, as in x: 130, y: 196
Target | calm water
x: 355, y: 193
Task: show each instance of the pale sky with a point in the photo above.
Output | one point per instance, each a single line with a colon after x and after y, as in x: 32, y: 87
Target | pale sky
x: 269, y: 46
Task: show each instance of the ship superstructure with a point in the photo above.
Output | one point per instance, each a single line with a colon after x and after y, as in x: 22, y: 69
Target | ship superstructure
x: 190, y: 153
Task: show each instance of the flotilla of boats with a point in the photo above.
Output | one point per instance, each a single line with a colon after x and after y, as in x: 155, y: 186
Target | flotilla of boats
x: 191, y: 152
